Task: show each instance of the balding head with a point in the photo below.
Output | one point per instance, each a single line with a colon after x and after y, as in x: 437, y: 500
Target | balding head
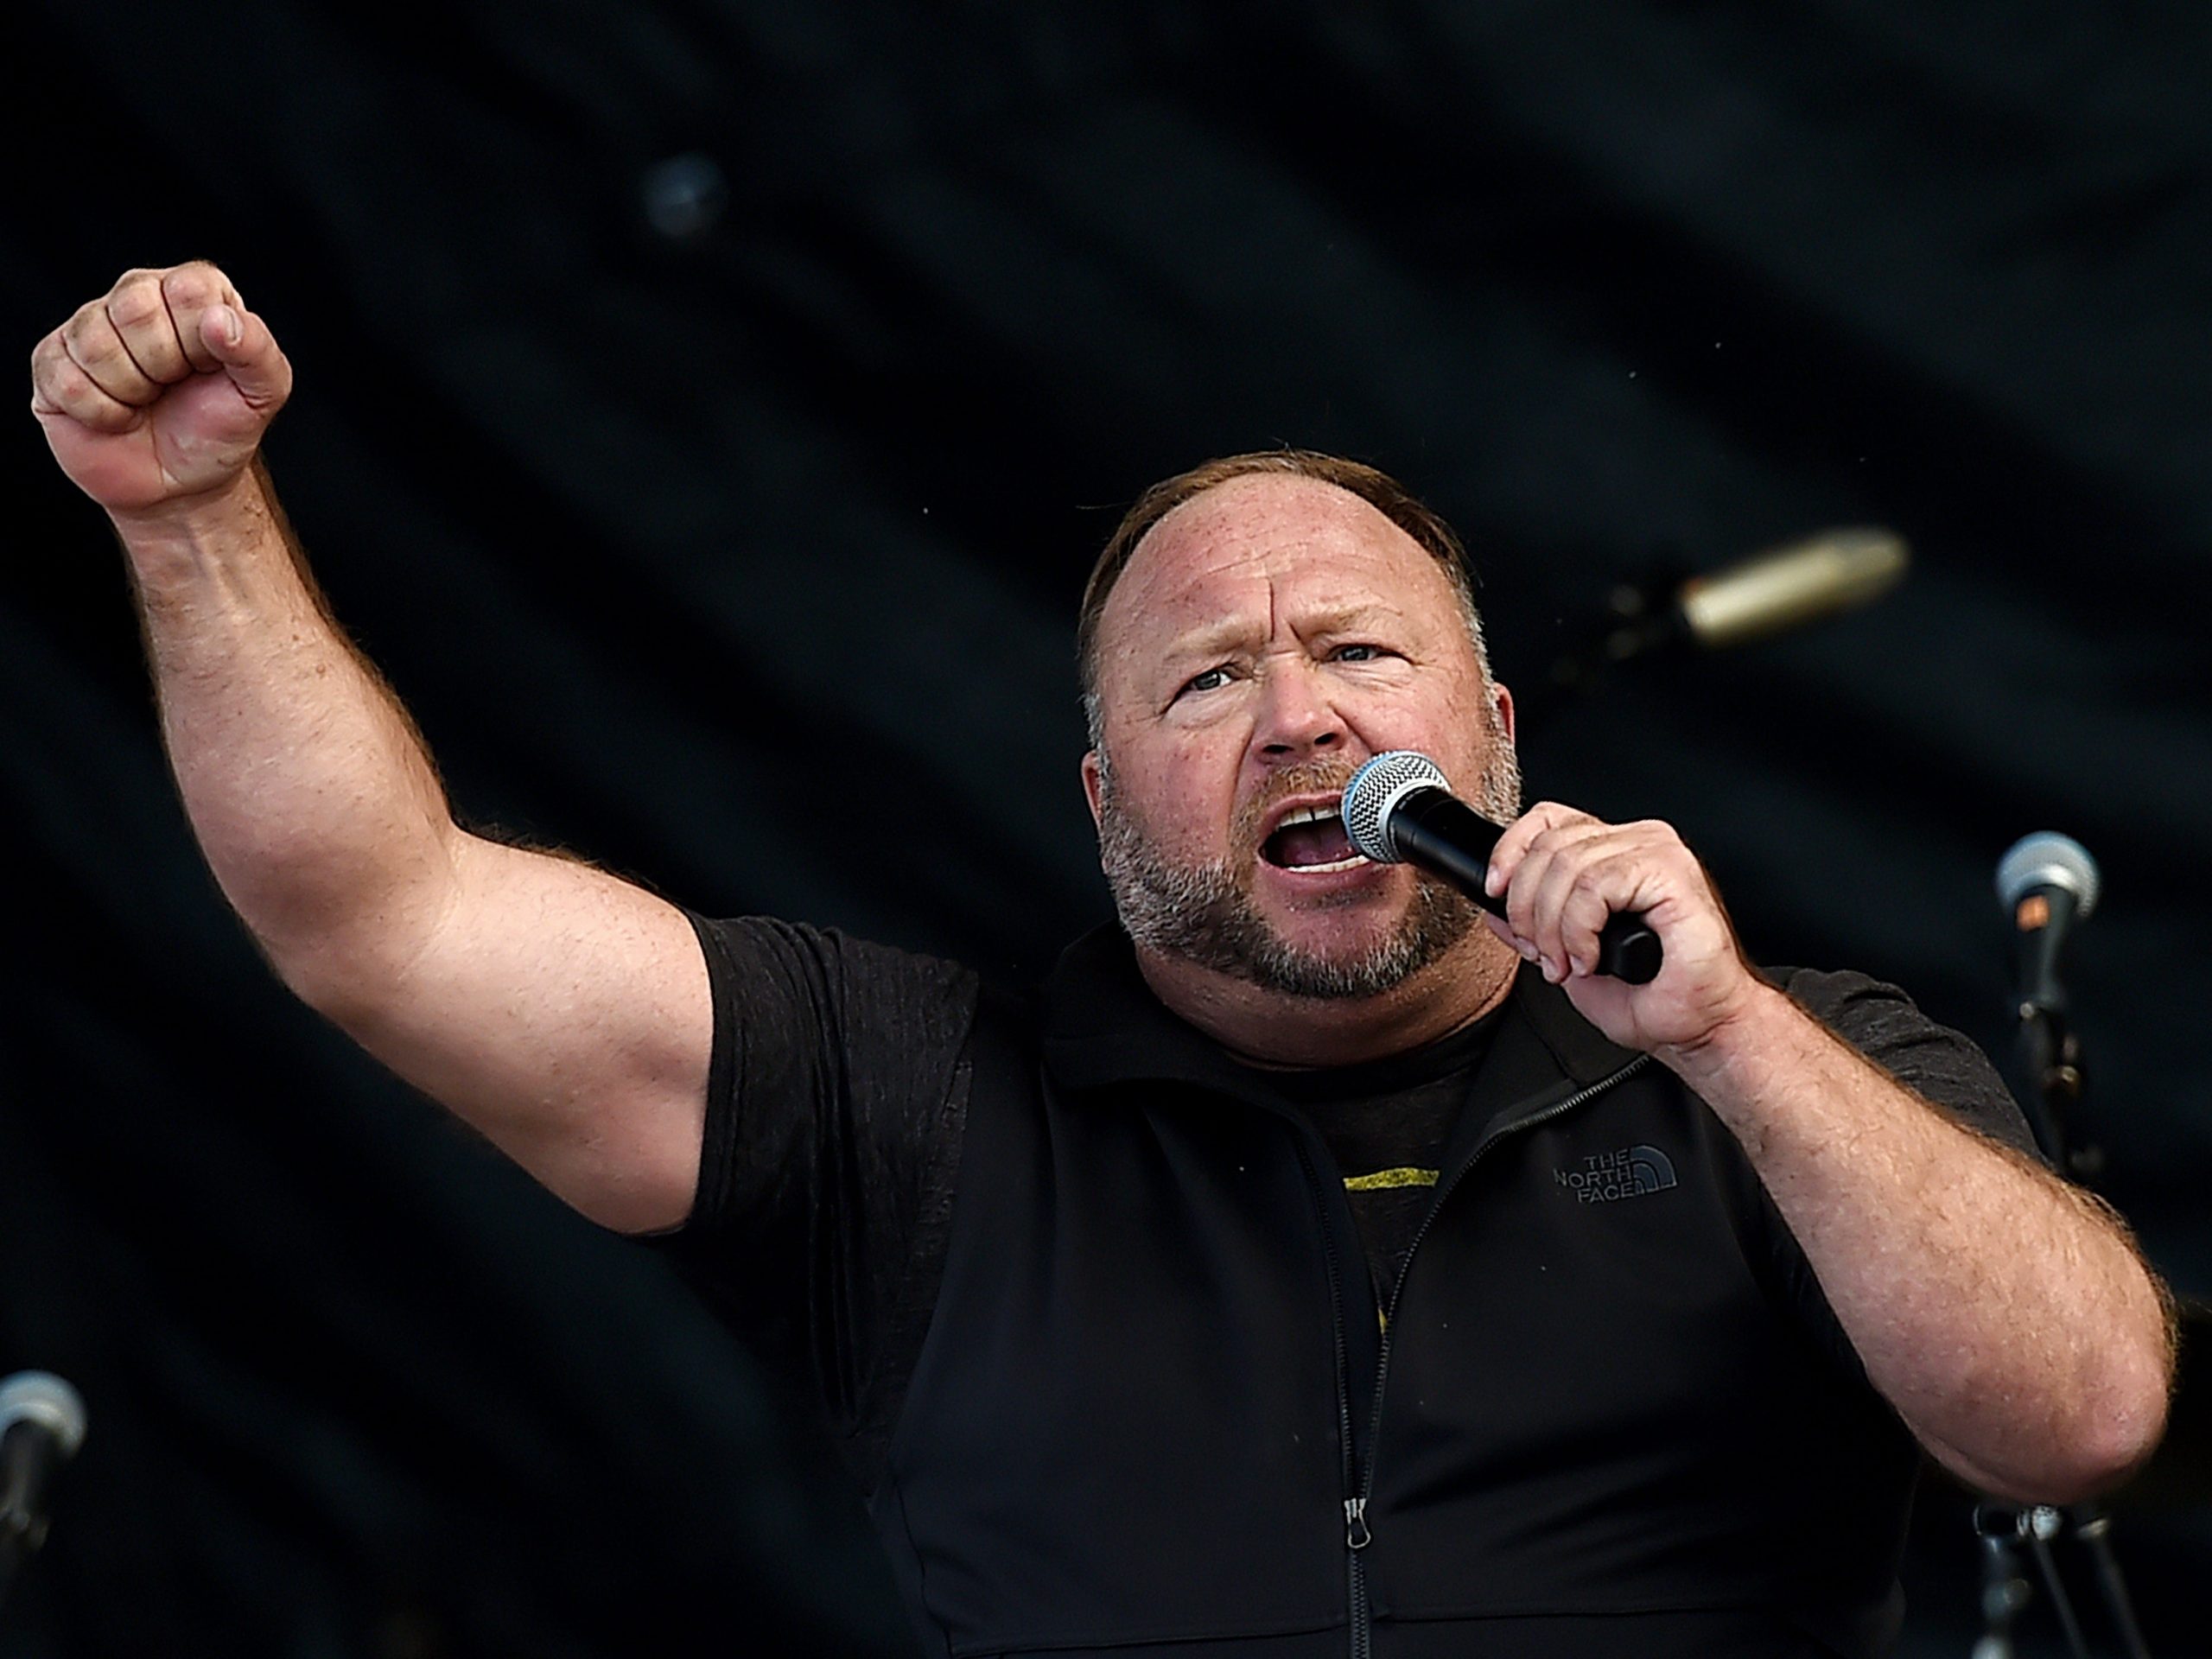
x: 1380, y: 491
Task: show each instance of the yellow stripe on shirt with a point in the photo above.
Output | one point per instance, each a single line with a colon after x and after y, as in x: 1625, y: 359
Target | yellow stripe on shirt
x: 1383, y: 1179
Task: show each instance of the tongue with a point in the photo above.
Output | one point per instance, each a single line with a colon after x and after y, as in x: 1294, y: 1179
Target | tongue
x: 1301, y: 845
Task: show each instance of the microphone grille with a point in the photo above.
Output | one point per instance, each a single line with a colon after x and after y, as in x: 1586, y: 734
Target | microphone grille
x: 2047, y: 859
x: 43, y: 1398
x: 1374, y: 792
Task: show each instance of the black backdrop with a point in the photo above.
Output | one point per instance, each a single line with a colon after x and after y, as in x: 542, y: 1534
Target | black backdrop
x: 708, y: 408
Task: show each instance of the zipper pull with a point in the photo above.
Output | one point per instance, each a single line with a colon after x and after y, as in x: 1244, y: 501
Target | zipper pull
x: 1357, y: 1536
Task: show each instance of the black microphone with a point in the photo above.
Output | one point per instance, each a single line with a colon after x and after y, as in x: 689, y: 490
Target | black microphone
x: 1399, y: 809
x: 41, y: 1426
x: 2047, y: 882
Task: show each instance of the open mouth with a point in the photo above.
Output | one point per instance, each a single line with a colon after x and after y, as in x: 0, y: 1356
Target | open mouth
x: 1312, y: 839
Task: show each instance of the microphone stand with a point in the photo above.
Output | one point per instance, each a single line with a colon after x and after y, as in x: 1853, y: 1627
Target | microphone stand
x: 2006, y: 1592
x: 2053, y: 1053
x: 41, y: 1424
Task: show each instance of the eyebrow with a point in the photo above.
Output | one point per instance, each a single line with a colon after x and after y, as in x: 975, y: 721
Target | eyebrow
x: 1214, y: 638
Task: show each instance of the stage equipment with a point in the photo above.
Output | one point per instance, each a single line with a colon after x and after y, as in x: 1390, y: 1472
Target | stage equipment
x: 2047, y: 882
x: 1670, y: 609
x: 1399, y: 809
x: 41, y: 1426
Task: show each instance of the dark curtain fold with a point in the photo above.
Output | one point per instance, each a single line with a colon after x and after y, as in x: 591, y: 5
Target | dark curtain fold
x: 708, y: 410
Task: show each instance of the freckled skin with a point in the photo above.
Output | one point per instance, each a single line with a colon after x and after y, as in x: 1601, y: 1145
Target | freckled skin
x: 1269, y: 626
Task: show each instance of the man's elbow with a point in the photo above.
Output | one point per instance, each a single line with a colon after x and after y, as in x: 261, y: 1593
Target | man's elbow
x: 2117, y: 1436
x: 2087, y: 1445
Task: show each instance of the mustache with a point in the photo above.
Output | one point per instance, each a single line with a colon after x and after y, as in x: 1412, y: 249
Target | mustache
x: 1305, y: 778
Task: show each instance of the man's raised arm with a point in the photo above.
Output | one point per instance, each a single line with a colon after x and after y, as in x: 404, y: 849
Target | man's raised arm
x: 563, y: 1012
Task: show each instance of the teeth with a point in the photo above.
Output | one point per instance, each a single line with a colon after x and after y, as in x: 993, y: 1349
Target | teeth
x: 1353, y: 863
x: 1308, y: 815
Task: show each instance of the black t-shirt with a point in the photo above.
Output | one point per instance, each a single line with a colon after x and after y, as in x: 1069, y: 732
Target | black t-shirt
x: 1387, y: 1124
x: 838, y: 1101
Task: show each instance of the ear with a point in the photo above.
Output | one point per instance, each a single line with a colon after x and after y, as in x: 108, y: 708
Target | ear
x: 1504, y: 699
x: 1092, y: 778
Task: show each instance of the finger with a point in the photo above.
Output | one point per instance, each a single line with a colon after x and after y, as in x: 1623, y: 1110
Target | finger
x: 1548, y: 877
x: 60, y: 390
x: 188, y: 290
x: 249, y: 353
x: 1513, y: 846
x: 1606, y: 884
x: 141, y: 318
x: 93, y: 345
x: 1531, y: 869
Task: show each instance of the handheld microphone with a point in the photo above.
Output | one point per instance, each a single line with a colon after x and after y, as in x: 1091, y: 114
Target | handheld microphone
x: 1399, y: 809
x: 41, y: 1426
x: 2046, y: 882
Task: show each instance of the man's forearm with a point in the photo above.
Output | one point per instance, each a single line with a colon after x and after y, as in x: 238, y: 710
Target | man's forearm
x: 309, y: 791
x: 2006, y: 1315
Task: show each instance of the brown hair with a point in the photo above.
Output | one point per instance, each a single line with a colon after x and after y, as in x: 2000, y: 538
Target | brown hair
x: 1378, y: 489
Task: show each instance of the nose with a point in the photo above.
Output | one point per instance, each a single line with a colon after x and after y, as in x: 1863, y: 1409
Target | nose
x: 1297, y: 719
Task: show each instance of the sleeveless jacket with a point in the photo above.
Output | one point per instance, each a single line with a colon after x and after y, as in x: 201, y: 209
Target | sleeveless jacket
x: 1158, y: 1405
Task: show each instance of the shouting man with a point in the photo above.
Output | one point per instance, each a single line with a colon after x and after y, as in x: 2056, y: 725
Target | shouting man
x: 1316, y: 1260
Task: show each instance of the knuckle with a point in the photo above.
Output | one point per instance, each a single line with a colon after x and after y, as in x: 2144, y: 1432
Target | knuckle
x: 92, y: 341
x: 195, y: 283
x: 134, y: 302
x: 73, y: 391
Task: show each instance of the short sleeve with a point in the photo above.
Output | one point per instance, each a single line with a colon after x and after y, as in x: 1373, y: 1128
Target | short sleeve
x: 837, y: 1100
x: 1935, y: 1062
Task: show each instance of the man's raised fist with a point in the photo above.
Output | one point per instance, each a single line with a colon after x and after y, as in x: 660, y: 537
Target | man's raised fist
x: 154, y: 395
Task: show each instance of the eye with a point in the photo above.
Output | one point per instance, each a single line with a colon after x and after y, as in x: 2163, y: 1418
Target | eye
x: 1212, y: 680
x: 1360, y: 653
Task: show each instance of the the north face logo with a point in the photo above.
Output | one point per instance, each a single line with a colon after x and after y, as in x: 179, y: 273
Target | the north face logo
x: 1629, y: 1173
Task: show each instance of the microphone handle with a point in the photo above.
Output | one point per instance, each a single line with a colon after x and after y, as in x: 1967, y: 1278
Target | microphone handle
x: 30, y: 1455
x: 1440, y: 832
x: 2041, y: 921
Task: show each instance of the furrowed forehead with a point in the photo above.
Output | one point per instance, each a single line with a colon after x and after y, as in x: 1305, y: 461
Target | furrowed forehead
x: 1225, y: 545
x: 1223, y: 515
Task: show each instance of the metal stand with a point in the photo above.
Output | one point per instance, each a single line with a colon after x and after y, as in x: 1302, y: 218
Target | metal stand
x: 41, y: 1424
x: 2054, y: 1059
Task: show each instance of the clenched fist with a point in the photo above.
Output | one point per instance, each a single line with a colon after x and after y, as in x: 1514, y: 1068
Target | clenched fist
x: 157, y: 395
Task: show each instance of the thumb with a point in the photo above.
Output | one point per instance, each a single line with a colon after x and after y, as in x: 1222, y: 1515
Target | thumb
x: 248, y: 352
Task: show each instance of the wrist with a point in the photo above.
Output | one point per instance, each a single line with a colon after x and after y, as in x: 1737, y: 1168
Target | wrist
x: 239, y: 503
x: 1758, y: 1019
x: 174, y: 546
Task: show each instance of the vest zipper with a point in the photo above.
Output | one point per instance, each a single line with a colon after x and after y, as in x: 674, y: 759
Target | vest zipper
x: 1356, y: 1535
x: 1356, y: 1538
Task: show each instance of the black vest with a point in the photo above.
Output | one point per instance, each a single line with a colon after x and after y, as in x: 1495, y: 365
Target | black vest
x: 1148, y: 1413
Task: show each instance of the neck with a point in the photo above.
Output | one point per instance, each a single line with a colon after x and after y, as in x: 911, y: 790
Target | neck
x: 1269, y: 1028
